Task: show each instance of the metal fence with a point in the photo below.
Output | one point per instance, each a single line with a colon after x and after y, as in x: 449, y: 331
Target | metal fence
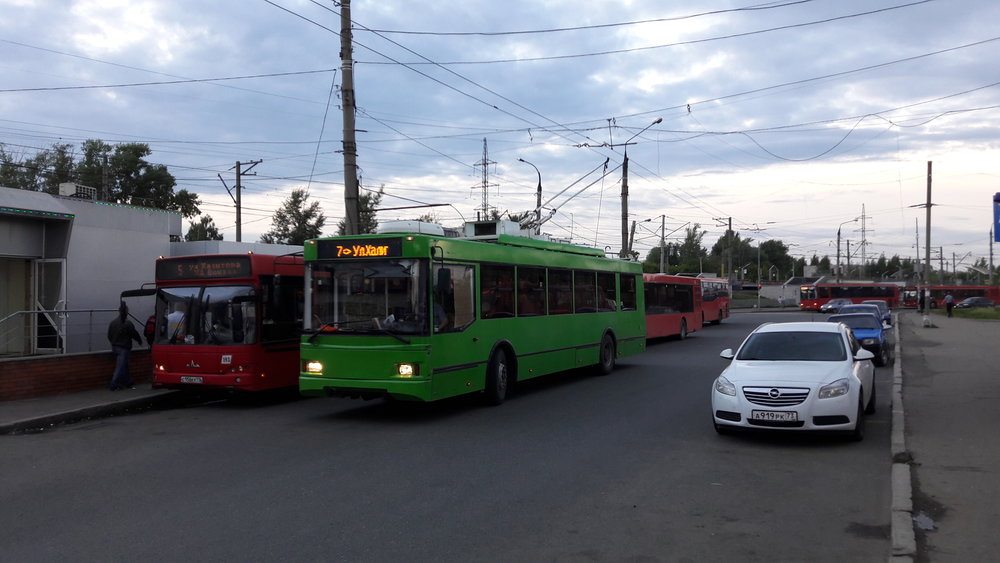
x: 59, y: 331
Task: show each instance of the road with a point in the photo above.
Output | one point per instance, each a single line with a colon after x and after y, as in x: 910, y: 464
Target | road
x: 575, y: 467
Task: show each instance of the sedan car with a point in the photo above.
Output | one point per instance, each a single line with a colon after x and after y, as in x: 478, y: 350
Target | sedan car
x: 833, y: 305
x: 860, y: 308
x: 799, y: 376
x: 871, y: 332
x: 882, y: 306
x: 973, y: 302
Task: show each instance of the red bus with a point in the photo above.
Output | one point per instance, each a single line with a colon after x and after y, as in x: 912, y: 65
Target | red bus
x: 715, y: 297
x: 911, y: 294
x: 813, y: 296
x: 228, y: 321
x: 673, y: 305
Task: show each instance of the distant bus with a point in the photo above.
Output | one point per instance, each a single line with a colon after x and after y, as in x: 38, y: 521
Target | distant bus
x: 673, y: 305
x: 420, y: 316
x: 813, y: 296
x: 227, y: 322
x: 715, y: 298
x: 911, y: 294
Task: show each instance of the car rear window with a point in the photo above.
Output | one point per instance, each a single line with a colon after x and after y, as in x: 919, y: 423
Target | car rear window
x: 794, y: 346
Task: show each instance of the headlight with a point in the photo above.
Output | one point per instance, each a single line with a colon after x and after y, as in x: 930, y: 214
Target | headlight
x: 835, y: 389
x: 722, y: 385
x: 314, y: 367
x: 407, y: 370
x: 868, y: 341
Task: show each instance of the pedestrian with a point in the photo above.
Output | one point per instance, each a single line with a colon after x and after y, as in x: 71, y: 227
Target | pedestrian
x: 949, y: 303
x: 121, y: 333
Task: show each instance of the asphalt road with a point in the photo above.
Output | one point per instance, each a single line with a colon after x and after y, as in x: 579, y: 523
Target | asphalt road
x: 575, y: 467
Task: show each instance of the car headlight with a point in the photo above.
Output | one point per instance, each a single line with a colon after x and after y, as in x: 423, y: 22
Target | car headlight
x: 867, y: 341
x: 836, y: 389
x: 722, y: 385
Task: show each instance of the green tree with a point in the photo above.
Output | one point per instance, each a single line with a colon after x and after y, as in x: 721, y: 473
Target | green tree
x: 368, y: 202
x: 296, y: 221
x: 204, y: 229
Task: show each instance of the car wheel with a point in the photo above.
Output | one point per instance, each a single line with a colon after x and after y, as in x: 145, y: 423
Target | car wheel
x: 497, y: 378
x: 883, y: 357
x: 858, y: 433
x: 606, y: 365
x: 870, y: 409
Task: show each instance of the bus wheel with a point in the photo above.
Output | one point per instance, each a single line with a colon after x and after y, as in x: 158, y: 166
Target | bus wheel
x: 497, y: 378
x: 608, y: 355
x: 684, y: 330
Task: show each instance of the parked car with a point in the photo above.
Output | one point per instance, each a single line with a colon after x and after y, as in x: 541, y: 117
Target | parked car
x: 799, y: 376
x: 872, y: 332
x: 833, y: 305
x: 861, y: 308
x: 883, y: 306
x: 973, y: 302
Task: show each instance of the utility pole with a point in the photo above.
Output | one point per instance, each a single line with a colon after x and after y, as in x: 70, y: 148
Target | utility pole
x: 927, y: 242
x: 663, y: 227
x: 626, y: 248
x: 352, y: 206
x: 729, y: 248
x: 239, y: 187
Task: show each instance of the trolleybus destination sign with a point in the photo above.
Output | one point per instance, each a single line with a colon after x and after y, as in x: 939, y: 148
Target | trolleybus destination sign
x: 359, y: 248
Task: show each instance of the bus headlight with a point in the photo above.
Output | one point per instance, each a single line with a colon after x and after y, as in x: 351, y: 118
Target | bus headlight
x: 407, y: 370
x: 314, y: 367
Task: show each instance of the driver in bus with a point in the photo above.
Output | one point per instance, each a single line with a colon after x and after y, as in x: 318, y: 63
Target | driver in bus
x: 176, y: 322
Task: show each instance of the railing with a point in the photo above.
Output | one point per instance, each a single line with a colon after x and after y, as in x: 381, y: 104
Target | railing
x: 57, y: 331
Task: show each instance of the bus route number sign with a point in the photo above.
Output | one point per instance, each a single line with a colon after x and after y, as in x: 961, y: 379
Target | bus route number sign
x: 359, y: 248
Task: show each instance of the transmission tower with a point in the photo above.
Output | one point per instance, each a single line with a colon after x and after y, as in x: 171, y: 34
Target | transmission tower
x: 486, y: 185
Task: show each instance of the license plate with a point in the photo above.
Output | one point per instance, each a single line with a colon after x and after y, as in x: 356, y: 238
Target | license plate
x: 778, y: 416
x: 190, y: 379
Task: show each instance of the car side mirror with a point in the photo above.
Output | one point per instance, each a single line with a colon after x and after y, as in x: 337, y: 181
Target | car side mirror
x: 863, y: 355
x: 728, y: 354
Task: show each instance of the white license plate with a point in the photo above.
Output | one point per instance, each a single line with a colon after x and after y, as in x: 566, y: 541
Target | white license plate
x: 778, y: 416
x: 190, y: 379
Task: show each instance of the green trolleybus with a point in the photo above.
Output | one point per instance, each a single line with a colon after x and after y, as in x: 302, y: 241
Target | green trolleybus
x: 416, y: 315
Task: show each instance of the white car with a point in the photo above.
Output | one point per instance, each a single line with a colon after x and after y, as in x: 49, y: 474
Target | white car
x: 802, y: 376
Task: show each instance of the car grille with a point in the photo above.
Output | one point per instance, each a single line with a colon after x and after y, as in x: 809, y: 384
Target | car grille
x: 776, y: 396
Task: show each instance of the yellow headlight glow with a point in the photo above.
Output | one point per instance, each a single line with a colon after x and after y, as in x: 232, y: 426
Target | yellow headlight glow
x: 314, y: 367
x: 407, y: 370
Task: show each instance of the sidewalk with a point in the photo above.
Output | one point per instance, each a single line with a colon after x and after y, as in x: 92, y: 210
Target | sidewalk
x: 950, y: 392
x: 42, y: 412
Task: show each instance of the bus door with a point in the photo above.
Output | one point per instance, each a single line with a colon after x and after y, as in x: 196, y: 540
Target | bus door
x: 458, y: 345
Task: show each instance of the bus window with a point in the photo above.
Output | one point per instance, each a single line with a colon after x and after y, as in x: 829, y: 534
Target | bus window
x: 560, y: 292
x: 585, y: 292
x: 453, y: 307
x: 628, y: 292
x: 497, y: 291
x: 606, y: 298
x: 530, y: 292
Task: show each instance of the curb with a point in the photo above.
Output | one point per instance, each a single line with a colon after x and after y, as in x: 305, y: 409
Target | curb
x: 904, y: 543
x: 109, y: 408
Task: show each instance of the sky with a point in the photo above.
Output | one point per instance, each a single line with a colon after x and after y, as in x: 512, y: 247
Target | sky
x: 791, y: 119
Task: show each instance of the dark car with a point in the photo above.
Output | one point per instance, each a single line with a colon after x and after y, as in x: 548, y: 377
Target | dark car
x: 861, y: 308
x: 870, y: 331
x: 973, y: 302
x: 883, y: 306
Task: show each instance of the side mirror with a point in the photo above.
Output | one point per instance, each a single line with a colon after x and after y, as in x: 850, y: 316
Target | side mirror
x: 728, y: 354
x: 863, y: 355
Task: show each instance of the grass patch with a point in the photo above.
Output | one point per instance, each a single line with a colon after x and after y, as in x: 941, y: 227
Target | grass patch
x: 977, y: 313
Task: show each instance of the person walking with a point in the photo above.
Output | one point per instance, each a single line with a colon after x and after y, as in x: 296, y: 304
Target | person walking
x: 949, y: 303
x: 121, y: 333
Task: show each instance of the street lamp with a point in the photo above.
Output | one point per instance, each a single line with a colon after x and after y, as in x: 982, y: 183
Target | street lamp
x: 625, y: 246
x: 538, y: 205
x: 855, y: 220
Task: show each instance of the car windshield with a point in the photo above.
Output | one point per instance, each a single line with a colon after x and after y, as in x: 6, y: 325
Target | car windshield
x: 857, y: 321
x: 794, y: 346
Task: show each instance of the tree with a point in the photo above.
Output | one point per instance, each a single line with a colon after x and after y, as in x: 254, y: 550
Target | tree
x: 368, y: 202
x: 295, y: 222
x: 204, y: 229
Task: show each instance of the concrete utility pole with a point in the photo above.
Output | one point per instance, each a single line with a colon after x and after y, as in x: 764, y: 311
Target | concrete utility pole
x: 626, y: 249
x: 237, y: 198
x: 927, y: 242
x: 352, y: 206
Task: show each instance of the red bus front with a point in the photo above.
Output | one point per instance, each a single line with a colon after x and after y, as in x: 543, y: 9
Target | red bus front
x: 232, y: 332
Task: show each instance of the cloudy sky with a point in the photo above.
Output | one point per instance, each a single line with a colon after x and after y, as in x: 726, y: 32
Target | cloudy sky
x: 791, y: 118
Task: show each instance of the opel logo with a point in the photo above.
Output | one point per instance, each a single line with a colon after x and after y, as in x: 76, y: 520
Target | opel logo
x: 194, y: 364
x: 774, y: 393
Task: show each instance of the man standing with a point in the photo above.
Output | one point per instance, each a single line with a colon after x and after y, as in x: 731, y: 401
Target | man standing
x: 949, y: 303
x: 121, y: 333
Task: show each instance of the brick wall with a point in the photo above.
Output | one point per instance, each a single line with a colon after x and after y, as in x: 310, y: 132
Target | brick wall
x: 39, y: 376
